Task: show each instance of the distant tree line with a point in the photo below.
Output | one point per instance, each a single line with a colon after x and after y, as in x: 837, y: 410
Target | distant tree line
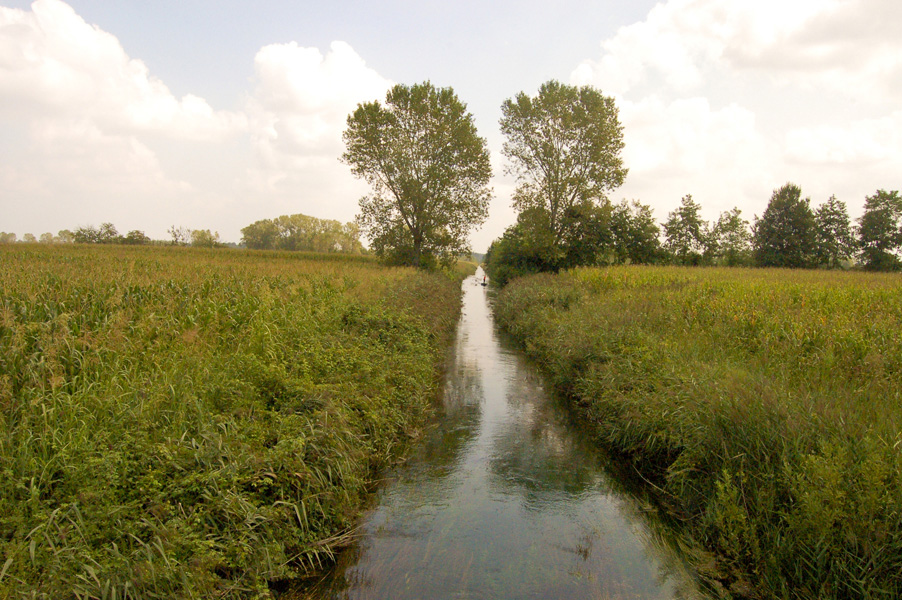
x: 63, y: 237
x: 302, y: 233
x: 564, y: 144
x: 288, y: 232
x: 788, y: 234
x: 108, y: 234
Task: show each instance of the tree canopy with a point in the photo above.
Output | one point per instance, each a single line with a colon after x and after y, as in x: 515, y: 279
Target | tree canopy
x: 564, y: 148
x: 730, y: 243
x: 835, y: 242
x: 302, y: 232
x: 635, y: 233
x: 429, y: 172
x: 106, y: 234
x: 879, y: 231
x: 686, y: 233
x: 784, y: 236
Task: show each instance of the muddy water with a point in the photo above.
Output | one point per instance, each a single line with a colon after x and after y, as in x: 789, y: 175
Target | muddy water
x: 505, y: 499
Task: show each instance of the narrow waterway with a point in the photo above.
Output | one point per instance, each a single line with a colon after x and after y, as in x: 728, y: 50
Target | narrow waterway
x: 505, y: 499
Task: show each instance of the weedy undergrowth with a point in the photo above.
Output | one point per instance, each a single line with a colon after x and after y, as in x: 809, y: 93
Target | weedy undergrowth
x: 186, y: 423
x: 766, y: 404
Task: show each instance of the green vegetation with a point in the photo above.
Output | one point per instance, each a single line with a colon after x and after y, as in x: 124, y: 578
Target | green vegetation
x: 789, y: 234
x: 880, y: 231
x: 785, y: 235
x: 429, y: 172
x: 182, y: 422
x: 563, y: 145
x: 764, y: 405
x: 303, y: 233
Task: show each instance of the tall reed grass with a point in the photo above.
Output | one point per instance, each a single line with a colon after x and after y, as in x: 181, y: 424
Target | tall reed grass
x: 189, y: 423
x: 765, y: 405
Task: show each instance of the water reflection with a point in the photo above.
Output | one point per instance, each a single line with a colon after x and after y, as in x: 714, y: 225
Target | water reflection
x: 506, y: 499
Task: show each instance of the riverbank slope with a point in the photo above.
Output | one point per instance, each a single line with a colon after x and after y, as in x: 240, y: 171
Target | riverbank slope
x: 765, y: 405
x: 187, y: 423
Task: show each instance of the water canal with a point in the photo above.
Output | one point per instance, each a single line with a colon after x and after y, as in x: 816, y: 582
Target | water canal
x: 506, y: 498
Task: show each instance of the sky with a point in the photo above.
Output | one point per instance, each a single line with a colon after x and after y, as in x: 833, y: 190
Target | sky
x: 213, y: 114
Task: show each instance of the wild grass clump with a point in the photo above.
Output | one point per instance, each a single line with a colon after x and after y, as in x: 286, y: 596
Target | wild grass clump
x: 766, y: 405
x: 188, y: 423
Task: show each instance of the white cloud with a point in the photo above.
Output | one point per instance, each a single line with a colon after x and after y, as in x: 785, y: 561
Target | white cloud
x: 303, y: 98
x: 83, y: 124
x: 728, y: 100
x: 849, y: 46
x: 91, y: 131
x: 298, y: 113
x: 865, y: 141
x: 72, y: 174
x: 687, y: 147
x: 52, y: 63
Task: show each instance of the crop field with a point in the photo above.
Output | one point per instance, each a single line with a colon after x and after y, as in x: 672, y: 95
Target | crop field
x: 764, y: 404
x: 189, y: 423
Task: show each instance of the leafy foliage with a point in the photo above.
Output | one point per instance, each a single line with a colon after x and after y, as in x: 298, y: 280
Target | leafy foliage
x: 834, y: 240
x: 686, y: 233
x: 302, y: 233
x: 518, y: 252
x: 564, y: 147
x: 429, y: 171
x: 204, y: 238
x: 592, y: 234
x: 635, y: 233
x: 784, y: 236
x: 730, y: 241
x: 106, y: 234
x: 880, y: 231
x: 136, y: 238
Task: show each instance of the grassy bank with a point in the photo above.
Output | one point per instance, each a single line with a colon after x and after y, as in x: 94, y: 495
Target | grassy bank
x: 187, y: 423
x: 765, y: 405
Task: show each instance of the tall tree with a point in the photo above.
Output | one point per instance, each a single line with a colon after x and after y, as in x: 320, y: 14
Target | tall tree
x: 730, y: 240
x: 879, y: 232
x: 204, y: 238
x: 108, y: 234
x: 181, y: 236
x: 261, y: 235
x: 686, y: 233
x: 564, y: 148
x: 429, y: 171
x: 835, y: 243
x: 86, y: 235
x: 784, y: 236
x: 635, y: 233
